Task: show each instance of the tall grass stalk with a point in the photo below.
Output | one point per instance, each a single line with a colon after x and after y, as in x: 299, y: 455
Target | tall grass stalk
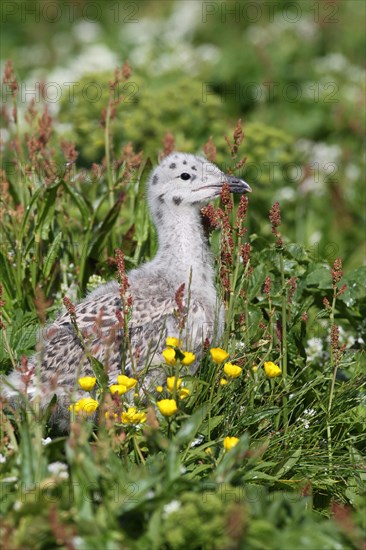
x: 230, y: 320
x: 334, y: 369
x: 284, y: 341
x: 107, y: 149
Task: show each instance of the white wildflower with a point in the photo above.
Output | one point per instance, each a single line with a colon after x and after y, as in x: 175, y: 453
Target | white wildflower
x: 287, y: 194
x: 352, y: 172
x: 171, y: 507
x: 86, y: 31
x: 314, y: 349
x: 197, y: 441
x: 58, y: 469
x: 306, y: 416
x: 78, y: 543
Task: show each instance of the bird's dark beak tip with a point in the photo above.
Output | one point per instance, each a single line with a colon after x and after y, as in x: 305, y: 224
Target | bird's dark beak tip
x: 238, y: 185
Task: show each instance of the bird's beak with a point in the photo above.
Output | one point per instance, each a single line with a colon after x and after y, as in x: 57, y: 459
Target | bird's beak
x: 237, y: 185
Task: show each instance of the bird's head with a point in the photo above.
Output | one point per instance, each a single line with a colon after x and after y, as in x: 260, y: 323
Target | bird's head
x: 184, y: 180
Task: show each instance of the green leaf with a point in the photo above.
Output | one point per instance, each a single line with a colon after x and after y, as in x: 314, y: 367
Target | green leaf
x: 226, y: 470
x: 356, y: 286
x: 184, y: 435
x: 297, y: 251
x: 80, y: 202
x: 100, y: 374
x: 256, y: 281
x: 190, y: 427
x: 104, y: 230
x: 49, y: 409
x: 46, y: 213
x: 29, y: 208
x: 320, y: 277
x: 214, y: 421
x: 290, y: 463
x: 255, y: 475
x: 52, y: 253
x: 6, y: 276
x: 257, y: 416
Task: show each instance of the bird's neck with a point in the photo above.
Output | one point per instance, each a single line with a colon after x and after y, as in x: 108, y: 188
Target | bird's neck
x: 184, y: 250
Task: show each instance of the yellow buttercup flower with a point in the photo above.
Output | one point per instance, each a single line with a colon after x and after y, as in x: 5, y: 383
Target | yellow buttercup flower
x: 189, y: 357
x: 223, y: 382
x: 230, y: 442
x: 74, y: 407
x: 169, y: 356
x: 172, y: 341
x: 232, y: 371
x: 133, y: 416
x: 272, y: 370
x: 159, y: 389
x: 118, y: 388
x: 87, y: 383
x: 218, y: 355
x: 172, y: 382
x: 86, y: 405
x: 124, y: 380
x: 183, y: 393
x: 167, y: 407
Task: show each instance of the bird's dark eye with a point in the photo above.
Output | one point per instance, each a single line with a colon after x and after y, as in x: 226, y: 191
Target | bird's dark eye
x: 185, y: 176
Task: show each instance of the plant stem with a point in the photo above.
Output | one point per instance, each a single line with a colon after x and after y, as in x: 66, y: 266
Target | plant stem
x: 107, y: 146
x: 233, y: 279
x: 138, y: 450
x: 334, y: 367
x: 8, y: 349
x: 284, y: 342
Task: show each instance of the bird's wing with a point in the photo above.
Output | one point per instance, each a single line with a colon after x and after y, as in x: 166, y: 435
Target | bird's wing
x: 150, y: 322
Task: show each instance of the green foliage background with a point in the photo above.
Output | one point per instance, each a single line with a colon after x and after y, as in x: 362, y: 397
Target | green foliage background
x: 197, y: 68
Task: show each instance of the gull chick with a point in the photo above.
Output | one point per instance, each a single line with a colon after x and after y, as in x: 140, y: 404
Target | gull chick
x: 177, y: 190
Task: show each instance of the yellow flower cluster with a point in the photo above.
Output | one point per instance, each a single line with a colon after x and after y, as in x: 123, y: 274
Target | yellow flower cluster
x: 218, y: 356
x: 172, y: 353
x: 183, y: 393
x: 230, y: 442
x: 86, y: 405
x: 231, y: 371
x: 169, y: 352
x: 272, y: 370
x: 173, y: 342
x: 174, y: 383
x: 169, y: 356
x: 124, y: 384
x: 133, y: 416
